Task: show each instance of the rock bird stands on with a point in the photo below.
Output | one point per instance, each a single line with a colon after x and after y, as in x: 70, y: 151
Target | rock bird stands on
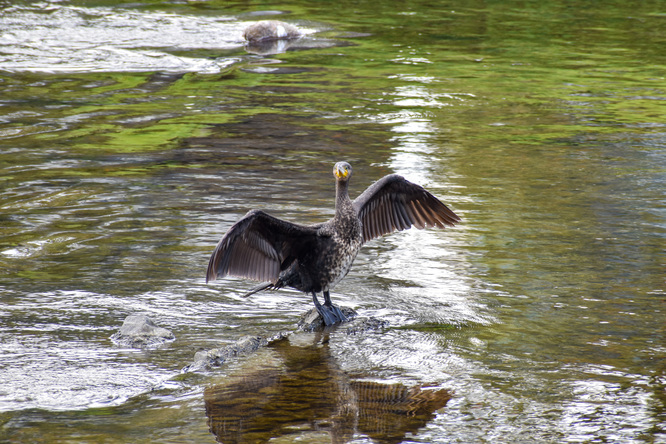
x: 314, y: 258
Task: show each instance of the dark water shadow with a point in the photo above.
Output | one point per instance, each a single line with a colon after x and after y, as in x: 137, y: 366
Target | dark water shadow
x: 272, y: 47
x: 304, y: 391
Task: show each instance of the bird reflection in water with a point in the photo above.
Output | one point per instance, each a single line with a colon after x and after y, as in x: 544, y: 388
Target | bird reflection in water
x: 307, y: 394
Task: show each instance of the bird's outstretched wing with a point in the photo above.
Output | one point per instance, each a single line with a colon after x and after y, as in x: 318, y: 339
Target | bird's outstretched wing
x: 394, y: 204
x: 257, y: 246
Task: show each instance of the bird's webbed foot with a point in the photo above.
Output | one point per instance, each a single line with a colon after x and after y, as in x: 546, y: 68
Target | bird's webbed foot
x: 330, y: 313
x: 335, y: 313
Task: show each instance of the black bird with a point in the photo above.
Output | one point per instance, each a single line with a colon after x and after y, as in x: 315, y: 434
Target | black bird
x: 314, y: 258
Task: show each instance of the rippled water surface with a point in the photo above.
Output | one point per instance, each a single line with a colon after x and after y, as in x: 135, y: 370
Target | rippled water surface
x: 132, y: 135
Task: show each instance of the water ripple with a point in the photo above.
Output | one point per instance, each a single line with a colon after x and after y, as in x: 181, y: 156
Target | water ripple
x: 70, y: 39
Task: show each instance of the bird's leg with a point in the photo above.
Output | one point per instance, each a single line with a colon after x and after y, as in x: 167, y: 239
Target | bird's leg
x: 330, y: 314
x: 323, y: 312
x: 327, y: 298
x: 336, y: 311
x: 316, y: 302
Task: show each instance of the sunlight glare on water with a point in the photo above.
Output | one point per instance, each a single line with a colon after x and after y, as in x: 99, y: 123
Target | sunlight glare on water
x: 64, y: 38
x: 48, y: 361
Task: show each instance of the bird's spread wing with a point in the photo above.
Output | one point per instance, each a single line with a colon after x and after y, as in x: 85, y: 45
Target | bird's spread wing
x: 394, y: 204
x: 256, y: 246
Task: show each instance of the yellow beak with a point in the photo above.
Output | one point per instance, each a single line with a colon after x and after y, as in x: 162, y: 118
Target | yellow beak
x: 341, y: 171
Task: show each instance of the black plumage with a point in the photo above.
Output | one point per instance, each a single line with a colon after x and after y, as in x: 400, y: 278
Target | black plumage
x: 314, y: 258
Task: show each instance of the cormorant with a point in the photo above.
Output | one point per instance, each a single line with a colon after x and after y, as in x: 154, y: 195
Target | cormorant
x: 314, y: 258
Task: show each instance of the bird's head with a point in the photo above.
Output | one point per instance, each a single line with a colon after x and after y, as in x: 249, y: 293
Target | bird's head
x: 342, y: 171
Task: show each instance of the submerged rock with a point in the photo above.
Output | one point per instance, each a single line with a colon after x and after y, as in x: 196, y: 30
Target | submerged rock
x: 218, y: 356
x: 139, y: 331
x: 270, y: 30
x: 360, y: 325
x: 310, y: 322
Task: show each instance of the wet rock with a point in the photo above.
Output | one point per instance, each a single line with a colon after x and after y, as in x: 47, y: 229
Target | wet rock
x: 312, y: 320
x: 269, y: 37
x: 309, y: 322
x: 360, y: 325
x: 271, y: 30
x: 205, y: 359
x: 139, y: 331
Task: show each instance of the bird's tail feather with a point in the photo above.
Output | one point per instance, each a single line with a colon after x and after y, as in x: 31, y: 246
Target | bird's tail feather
x: 258, y: 288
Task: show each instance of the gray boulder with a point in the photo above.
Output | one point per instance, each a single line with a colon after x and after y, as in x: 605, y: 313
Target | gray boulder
x: 268, y: 30
x: 139, y: 331
x: 205, y: 359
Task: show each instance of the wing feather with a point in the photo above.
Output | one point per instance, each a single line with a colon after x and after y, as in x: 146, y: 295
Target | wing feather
x: 413, y: 220
x: 423, y: 212
x: 404, y: 217
x: 383, y: 213
x: 257, y: 247
x: 395, y: 204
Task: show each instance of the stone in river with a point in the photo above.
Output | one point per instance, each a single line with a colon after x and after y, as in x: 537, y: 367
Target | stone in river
x: 139, y: 331
x: 266, y: 30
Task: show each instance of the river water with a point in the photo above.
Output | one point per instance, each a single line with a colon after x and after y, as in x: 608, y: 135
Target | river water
x: 132, y: 135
